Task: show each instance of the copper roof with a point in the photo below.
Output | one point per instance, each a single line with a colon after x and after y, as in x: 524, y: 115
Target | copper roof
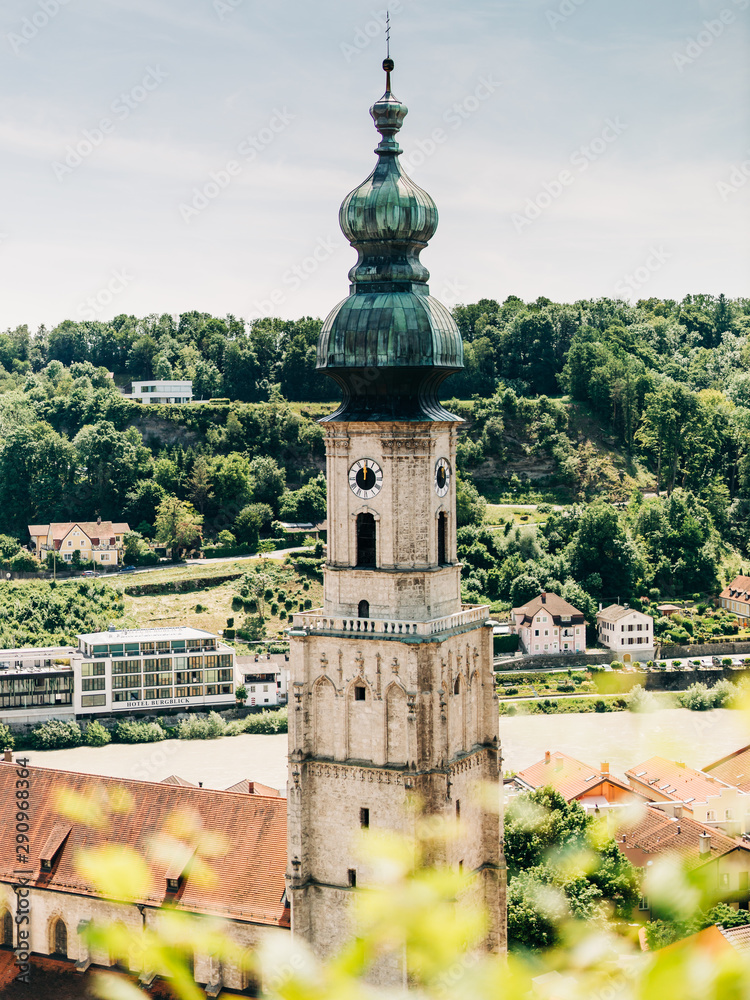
x: 654, y: 832
x: 670, y: 780
x: 249, y: 882
x: 738, y: 589
x: 568, y: 776
x: 734, y: 769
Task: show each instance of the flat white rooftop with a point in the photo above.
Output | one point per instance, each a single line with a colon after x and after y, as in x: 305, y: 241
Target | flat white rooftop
x: 36, y: 651
x: 147, y: 634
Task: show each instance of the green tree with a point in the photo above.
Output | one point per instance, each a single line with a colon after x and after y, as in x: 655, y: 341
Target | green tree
x: 178, y: 525
x: 470, y: 504
x: 250, y: 521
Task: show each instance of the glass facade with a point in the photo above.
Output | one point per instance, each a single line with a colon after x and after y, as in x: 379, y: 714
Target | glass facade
x: 36, y: 691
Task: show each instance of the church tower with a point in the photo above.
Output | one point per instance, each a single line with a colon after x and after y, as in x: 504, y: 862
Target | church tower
x: 393, y: 692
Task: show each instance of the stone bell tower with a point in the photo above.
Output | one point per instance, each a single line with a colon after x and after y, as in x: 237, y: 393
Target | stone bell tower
x: 393, y: 691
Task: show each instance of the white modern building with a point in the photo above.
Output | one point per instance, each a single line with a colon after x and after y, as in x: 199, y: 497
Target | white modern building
x: 153, y: 669
x: 626, y: 632
x: 36, y: 684
x: 155, y: 391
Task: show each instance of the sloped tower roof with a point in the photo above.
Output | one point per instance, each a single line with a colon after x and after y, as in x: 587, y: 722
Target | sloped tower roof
x: 389, y: 344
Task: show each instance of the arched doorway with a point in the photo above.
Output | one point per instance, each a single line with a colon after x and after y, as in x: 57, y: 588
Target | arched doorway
x: 366, y: 540
x: 363, y: 609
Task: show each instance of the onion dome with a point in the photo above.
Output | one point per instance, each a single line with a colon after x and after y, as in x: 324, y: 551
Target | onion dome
x: 389, y: 344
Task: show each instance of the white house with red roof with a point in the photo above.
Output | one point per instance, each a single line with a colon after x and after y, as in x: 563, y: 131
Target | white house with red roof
x: 736, y: 597
x: 627, y: 632
x: 683, y: 790
x: 548, y: 624
x: 224, y: 867
x: 97, y: 541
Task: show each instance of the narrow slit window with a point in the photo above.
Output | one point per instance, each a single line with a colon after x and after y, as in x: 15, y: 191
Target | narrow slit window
x: 352, y: 876
x: 364, y: 818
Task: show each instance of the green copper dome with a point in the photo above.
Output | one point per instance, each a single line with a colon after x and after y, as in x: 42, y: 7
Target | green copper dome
x: 389, y: 344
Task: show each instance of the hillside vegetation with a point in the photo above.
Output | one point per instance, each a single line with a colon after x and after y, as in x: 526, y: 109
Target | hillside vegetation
x: 635, y: 419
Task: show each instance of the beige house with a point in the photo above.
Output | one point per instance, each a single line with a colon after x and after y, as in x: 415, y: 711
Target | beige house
x: 626, y: 632
x: 97, y: 541
x: 548, y: 624
x: 736, y: 596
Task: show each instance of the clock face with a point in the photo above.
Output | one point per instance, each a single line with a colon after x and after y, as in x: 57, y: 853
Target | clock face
x: 365, y: 479
x: 442, y: 477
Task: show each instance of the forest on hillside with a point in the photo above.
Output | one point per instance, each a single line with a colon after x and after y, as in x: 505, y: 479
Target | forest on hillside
x: 634, y: 418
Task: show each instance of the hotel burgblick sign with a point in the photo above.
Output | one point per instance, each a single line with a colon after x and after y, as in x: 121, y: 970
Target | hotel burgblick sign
x: 125, y: 706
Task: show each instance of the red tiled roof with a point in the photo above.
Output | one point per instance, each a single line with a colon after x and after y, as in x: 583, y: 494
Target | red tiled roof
x: 654, y: 832
x: 738, y: 937
x: 568, y: 776
x: 249, y: 881
x: 738, y: 589
x: 670, y: 780
x: 551, y: 603
x: 248, y: 787
x: 734, y: 769
x: 93, y: 529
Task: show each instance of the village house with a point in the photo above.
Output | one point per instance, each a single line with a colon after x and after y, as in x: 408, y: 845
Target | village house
x: 96, y: 541
x: 653, y: 833
x: 736, y: 597
x: 246, y: 893
x: 628, y: 633
x: 684, y: 791
x: 548, y: 624
x: 596, y: 789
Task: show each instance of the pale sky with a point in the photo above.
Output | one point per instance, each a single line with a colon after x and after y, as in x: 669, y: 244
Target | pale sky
x: 579, y: 142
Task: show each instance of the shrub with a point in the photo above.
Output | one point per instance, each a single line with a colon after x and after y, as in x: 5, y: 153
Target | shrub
x: 229, y: 633
x: 193, y: 729
x: 216, y: 725
x: 131, y: 731
x: 267, y: 722
x: 56, y: 735
x: 641, y: 700
x: 697, y: 698
x: 511, y: 691
x: 6, y: 737
x: 726, y: 662
x: 96, y: 735
x: 199, y: 608
x: 600, y: 706
x: 615, y: 665
x: 676, y: 664
x: 722, y: 693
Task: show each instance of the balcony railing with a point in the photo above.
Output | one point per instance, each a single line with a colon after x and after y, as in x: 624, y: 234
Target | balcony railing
x: 316, y: 621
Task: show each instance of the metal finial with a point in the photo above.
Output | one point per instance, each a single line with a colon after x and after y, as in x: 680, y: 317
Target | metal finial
x: 387, y: 62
